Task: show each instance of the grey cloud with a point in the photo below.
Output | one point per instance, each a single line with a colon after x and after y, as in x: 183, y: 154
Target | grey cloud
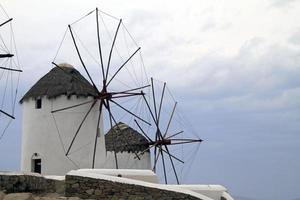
x: 248, y: 81
x: 151, y: 20
x: 281, y: 3
x: 295, y: 38
x: 209, y: 25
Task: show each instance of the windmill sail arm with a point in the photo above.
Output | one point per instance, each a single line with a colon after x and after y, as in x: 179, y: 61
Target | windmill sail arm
x: 6, y: 55
x: 11, y: 69
x: 6, y: 22
x: 5, y: 113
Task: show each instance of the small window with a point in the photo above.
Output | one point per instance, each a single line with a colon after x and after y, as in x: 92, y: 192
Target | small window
x: 98, y: 132
x: 38, y: 103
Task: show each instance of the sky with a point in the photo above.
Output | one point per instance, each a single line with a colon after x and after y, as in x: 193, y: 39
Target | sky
x: 233, y: 66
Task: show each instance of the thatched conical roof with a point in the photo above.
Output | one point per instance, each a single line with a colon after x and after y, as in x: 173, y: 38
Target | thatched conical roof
x: 62, y: 80
x: 122, y: 138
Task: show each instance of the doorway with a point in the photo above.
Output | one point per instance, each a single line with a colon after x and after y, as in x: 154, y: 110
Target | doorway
x: 37, y: 165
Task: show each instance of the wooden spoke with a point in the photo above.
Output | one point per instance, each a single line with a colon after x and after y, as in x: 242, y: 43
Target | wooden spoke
x: 156, y: 159
x: 135, y: 89
x: 148, y: 106
x: 185, y: 141
x: 111, y: 124
x: 111, y: 49
x: 126, y: 95
x: 74, y: 106
x: 142, y: 131
x: 170, y: 120
x: 6, y: 22
x: 145, y: 150
x: 80, y: 58
x: 161, y: 101
x: 5, y: 113
x: 174, y: 134
x: 164, y: 166
x: 8, y: 55
x: 11, y: 69
x: 122, y: 66
x: 128, y: 111
x: 174, y: 169
x: 97, y: 132
x: 172, y: 156
x: 79, y: 127
x: 154, y: 100
x: 99, y: 44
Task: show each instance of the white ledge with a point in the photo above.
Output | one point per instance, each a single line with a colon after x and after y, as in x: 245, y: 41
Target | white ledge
x: 136, y: 182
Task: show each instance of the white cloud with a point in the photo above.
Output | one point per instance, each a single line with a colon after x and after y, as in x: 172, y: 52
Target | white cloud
x: 282, y: 3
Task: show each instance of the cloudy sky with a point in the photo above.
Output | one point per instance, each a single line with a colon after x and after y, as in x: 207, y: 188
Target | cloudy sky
x: 234, y: 67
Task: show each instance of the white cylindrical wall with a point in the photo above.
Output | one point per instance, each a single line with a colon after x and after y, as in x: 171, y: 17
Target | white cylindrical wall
x: 50, y: 136
x: 128, y: 160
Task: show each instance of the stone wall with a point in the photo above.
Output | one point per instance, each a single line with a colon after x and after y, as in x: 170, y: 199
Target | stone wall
x: 85, y: 187
x: 90, y: 188
x: 27, y: 182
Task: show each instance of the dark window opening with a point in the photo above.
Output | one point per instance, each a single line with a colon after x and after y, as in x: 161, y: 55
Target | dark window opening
x: 37, y: 165
x: 38, y: 103
x: 98, y: 132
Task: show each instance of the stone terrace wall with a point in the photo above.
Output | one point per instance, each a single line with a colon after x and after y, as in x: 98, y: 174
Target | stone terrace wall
x: 90, y: 188
x: 30, y: 182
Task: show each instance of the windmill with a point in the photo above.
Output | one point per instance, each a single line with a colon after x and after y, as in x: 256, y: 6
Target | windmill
x: 106, y: 97
x: 109, y: 94
x: 164, y: 136
x: 9, y: 72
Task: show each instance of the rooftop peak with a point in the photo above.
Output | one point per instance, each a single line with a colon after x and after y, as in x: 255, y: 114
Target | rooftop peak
x: 67, y: 65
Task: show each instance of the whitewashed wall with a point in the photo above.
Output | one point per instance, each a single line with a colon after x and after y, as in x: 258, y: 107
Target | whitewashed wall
x: 40, y: 135
x: 135, y: 174
x: 128, y: 161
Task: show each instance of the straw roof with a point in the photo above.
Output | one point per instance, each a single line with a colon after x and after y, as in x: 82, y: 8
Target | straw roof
x: 62, y: 80
x: 122, y: 138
